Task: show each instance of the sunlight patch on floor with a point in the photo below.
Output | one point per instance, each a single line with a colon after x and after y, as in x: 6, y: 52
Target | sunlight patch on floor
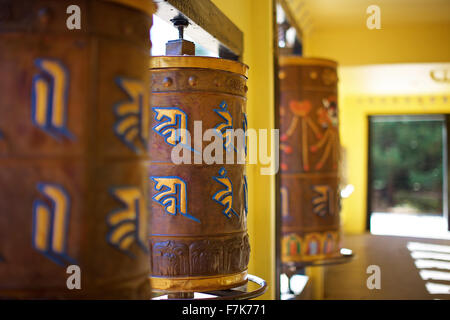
x: 434, y: 275
x: 437, y: 288
x: 435, y: 257
x: 428, y: 264
x: 430, y: 255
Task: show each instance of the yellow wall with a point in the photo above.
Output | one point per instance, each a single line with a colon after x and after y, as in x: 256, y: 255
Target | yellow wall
x: 359, y: 45
x: 254, y: 18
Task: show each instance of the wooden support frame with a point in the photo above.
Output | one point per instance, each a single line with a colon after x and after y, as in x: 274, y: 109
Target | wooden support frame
x: 208, y: 26
x: 291, y: 18
x: 278, y: 264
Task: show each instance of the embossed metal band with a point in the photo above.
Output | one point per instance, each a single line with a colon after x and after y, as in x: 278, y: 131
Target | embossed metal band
x: 159, y: 62
x: 317, y: 62
x: 147, y: 6
x: 190, y: 284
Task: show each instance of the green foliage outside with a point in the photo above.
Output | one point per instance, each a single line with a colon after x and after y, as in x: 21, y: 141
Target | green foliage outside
x: 406, y: 158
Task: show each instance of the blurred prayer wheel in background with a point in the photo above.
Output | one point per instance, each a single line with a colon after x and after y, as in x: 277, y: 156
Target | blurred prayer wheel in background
x: 74, y: 125
x: 199, y: 238
x: 309, y: 153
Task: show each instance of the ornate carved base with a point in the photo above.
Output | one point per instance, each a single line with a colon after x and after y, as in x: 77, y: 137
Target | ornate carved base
x: 193, y: 264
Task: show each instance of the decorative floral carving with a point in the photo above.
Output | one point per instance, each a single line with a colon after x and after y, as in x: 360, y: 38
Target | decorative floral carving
x: 206, y: 257
x: 200, y: 257
x: 233, y: 250
x: 170, y: 258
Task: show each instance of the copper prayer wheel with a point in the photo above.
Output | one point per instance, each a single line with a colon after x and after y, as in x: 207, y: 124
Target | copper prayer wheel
x: 74, y: 125
x: 199, y: 238
x: 309, y: 156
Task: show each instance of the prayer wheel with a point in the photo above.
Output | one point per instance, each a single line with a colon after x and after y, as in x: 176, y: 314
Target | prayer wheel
x: 309, y: 159
x: 74, y: 126
x: 199, y: 238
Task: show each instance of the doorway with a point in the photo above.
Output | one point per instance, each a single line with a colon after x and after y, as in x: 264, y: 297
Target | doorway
x: 407, y: 176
